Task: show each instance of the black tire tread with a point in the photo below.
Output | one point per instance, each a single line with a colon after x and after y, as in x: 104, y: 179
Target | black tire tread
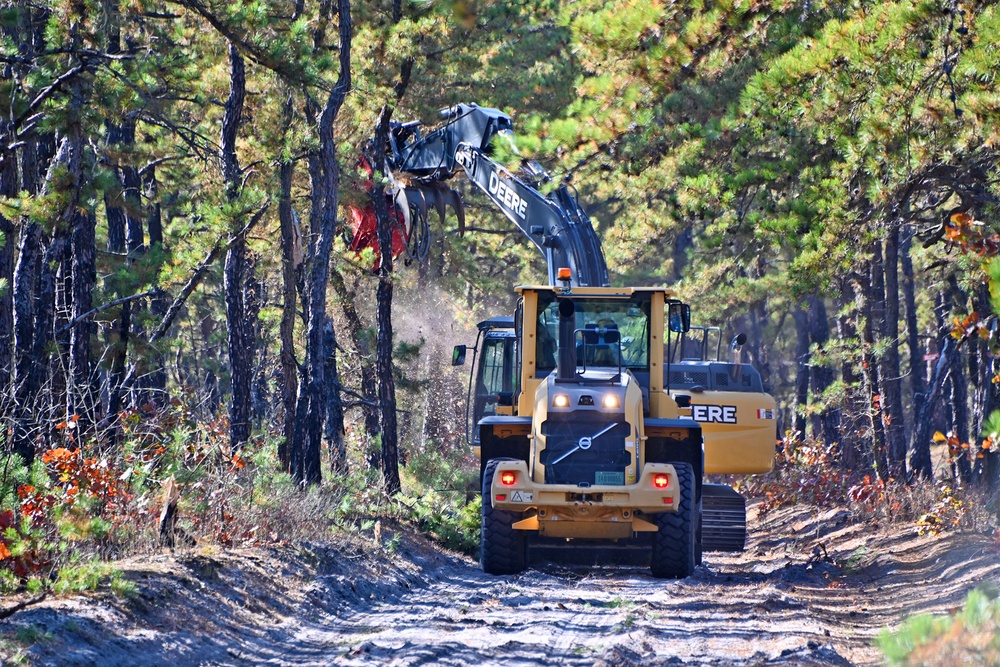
x: 673, y: 553
x: 502, y: 549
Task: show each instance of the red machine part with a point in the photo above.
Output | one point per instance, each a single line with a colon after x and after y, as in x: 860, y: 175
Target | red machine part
x: 365, y: 225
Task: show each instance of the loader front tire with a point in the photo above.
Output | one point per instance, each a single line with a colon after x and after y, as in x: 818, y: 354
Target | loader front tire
x: 502, y: 548
x: 674, y: 542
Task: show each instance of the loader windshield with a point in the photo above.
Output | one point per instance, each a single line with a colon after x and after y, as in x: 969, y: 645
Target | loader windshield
x: 615, y: 327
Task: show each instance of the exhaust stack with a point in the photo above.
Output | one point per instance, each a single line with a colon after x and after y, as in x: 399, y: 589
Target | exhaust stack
x: 566, y: 364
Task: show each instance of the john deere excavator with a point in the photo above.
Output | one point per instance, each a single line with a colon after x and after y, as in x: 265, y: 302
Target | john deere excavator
x: 596, y: 410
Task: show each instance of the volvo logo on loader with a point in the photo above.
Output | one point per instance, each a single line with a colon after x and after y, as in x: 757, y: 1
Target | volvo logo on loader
x: 714, y: 414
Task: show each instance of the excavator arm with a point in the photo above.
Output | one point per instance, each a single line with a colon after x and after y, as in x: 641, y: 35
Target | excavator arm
x: 418, y: 166
x: 557, y: 225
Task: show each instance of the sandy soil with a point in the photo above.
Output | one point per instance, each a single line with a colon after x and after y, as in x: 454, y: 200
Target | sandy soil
x: 811, y: 589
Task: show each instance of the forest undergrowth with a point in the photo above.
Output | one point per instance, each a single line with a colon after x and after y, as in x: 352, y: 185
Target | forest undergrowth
x: 811, y: 472
x: 173, y: 480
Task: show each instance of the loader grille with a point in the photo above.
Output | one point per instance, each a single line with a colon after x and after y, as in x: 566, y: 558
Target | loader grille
x: 602, y: 460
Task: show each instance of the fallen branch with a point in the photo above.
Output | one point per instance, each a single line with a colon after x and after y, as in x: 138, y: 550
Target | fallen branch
x: 10, y: 611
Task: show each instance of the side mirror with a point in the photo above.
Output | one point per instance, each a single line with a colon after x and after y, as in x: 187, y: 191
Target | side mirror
x: 458, y: 355
x: 679, y: 317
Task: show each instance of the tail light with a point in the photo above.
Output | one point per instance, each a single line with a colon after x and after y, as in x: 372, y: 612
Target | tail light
x: 507, y: 478
x: 661, y: 480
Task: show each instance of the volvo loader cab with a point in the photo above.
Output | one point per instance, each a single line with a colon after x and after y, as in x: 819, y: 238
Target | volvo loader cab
x: 594, y: 446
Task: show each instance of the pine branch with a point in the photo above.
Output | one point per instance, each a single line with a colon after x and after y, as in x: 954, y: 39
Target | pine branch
x: 199, y: 273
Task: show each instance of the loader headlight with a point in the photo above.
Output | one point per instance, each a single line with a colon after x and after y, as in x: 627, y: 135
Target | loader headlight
x: 560, y: 401
x: 611, y: 402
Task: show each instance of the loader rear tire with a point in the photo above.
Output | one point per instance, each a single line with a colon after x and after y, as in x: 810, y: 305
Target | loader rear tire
x: 503, y: 549
x: 674, y: 543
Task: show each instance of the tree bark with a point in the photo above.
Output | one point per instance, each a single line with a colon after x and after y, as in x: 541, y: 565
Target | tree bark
x: 334, y: 428
x: 325, y: 173
x: 8, y: 242
x: 157, y: 372
x: 290, y: 253
x: 802, y: 372
x: 383, y: 344
x: 852, y: 452
x: 383, y: 317
x: 828, y: 422
x: 866, y: 294
x: 985, y: 401
x: 25, y: 292
x: 892, y: 386
x: 361, y: 342
x: 920, y: 459
x: 917, y: 389
x: 958, y: 403
x: 239, y: 333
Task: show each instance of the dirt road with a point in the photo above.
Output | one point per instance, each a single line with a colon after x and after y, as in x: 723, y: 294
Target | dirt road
x: 810, y: 590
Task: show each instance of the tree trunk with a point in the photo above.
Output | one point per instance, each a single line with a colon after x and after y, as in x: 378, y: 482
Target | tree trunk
x: 238, y: 325
x: 25, y: 292
x: 80, y: 223
x: 8, y: 241
x: 822, y: 375
x: 981, y: 369
x: 334, y: 431
x: 892, y: 386
x: 361, y: 342
x: 290, y: 254
x: 852, y: 451
x: 920, y: 459
x: 869, y: 370
x: 917, y: 388
x: 157, y: 372
x: 383, y: 317
x: 959, y: 399
x: 123, y: 212
x: 325, y: 173
x: 801, y: 370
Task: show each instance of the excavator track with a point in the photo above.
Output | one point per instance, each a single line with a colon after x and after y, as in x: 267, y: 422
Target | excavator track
x: 723, y: 518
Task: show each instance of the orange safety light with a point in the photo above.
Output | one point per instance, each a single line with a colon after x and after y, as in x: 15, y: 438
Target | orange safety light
x: 564, y: 273
x: 507, y: 478
x: 661, y: 480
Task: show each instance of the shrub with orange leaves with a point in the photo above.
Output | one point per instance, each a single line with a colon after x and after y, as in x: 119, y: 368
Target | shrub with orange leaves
x: 85, y: 491
x: 964, y: 232
x: 804, y: 471
x: 810, y: 472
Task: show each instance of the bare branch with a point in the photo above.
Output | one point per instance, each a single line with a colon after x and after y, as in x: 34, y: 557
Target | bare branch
x: 200, y: 271
x: 110, y: 304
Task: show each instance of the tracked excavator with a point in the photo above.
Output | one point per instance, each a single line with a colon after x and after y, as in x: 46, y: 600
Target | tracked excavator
x: 596, y: 411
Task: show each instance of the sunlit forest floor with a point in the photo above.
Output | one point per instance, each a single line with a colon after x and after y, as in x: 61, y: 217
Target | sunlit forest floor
x: 814, y: 587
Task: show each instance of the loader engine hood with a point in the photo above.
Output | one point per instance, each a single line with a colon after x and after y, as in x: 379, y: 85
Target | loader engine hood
x: 586, y: 433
